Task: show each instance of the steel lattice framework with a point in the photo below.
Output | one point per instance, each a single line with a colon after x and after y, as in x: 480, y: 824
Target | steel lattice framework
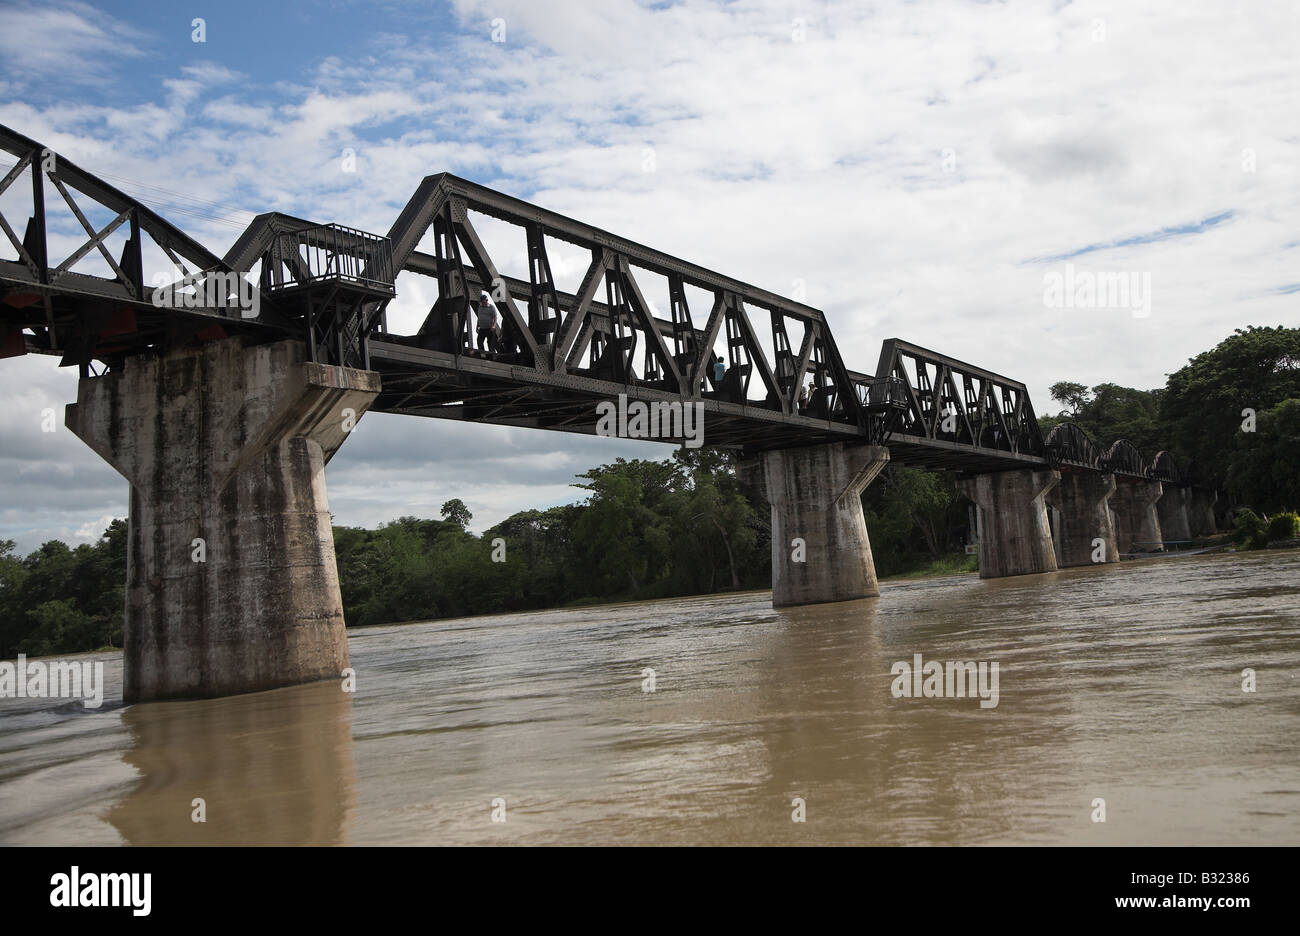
x: 84, y: 317
x: 565, y: 351
x: 1123, y: 458
x: 1068, y: 444
x: 1165, y: 468
x: 958, y: 406
x: 561, y: 352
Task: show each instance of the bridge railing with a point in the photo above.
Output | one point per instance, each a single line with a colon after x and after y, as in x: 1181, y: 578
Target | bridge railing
x: 884, y: 400
x: 330, y: 253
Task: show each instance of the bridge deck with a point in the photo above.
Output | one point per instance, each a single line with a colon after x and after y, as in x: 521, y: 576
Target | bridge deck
x: 442, y: 385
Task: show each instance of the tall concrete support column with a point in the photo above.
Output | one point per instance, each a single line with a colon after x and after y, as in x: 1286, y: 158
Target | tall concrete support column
x: 1172, y: 510
x: 1084, y: 534
x: 820, y: 549
x: 231, y: 580
x: 1015, y: 537
x: 1200, y: 512
x: 1137, y: 522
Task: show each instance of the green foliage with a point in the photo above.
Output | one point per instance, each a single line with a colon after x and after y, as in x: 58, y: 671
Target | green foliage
x: 57, y: 627
x: 456, y: 512
x: 62, y: 600
x: 405, y: 570
x: 1249, y: 530
x: 1047, y: 423
x: 1109, y: 412
x: 1262, y: 467
x: 1283, y: 526
x: 951, y: 564
x: 1071, y: 395
x: 914, y: 518
x: 1202, y: 410
x: 647, y: 529
x: 1232, y: 411
x: 1114, y: 412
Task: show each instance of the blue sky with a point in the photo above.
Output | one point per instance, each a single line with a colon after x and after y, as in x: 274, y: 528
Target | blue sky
x: 1180, y: 230
x: 915, y: 170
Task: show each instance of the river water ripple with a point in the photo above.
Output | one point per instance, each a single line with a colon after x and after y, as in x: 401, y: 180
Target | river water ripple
x: 1120, y: 683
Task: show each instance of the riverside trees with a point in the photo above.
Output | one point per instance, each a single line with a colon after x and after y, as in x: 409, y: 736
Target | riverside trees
x: 1232, y: 411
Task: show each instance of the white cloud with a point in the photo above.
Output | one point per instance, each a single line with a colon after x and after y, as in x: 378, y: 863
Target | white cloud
x: 92, y: 530
x: 78, y: 41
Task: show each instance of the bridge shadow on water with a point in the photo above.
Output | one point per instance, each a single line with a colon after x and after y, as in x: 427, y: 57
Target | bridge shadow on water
x: 273, y: 768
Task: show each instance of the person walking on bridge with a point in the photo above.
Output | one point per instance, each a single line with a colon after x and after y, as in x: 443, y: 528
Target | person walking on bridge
x: 486, y: 314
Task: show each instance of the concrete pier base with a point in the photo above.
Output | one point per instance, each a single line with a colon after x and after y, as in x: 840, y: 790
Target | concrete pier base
x: 820, y: 549
x: 1133, y: 507
x: 1172, y: 510
x: 1014, y: 535
x: 1200, y: 512
x: 231, y: 581
x: 1084, y: 534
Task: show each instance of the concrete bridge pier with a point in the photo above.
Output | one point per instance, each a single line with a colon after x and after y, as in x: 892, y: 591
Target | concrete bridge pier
x: 231, y: 580
x: 1015, y: 537
x: 1200, y: 511
x: 1172, y: 510
x: 820, y: 549
x: 1133, y: 506
x: 1084, y: 534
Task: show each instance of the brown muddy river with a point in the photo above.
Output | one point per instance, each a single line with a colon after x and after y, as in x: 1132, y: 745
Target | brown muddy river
x: 1122, y: 684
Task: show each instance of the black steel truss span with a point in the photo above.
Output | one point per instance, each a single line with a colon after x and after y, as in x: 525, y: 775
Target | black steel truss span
x: 1165, y: 468
x: 49, y: 305
x: 577, y: 333
x: 1068, y: 446
x: 285, y: 277
x: 560, y: 353
x: 953, y: 406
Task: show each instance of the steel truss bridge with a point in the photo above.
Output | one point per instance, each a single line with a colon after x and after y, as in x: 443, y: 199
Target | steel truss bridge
x: 561, y: 352
x: 1068, y: 446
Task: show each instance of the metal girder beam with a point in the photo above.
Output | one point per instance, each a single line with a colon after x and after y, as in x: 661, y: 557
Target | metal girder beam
x: 759, y: 358
x: 478, y: 256
x: 579, y: 309
x: 416, y: 216
x: 414, y: 220
x: 641, y: 310
x: 109, y: 196
x: 705, y: 357
x: 96, y: 239
x: 995, y: 397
